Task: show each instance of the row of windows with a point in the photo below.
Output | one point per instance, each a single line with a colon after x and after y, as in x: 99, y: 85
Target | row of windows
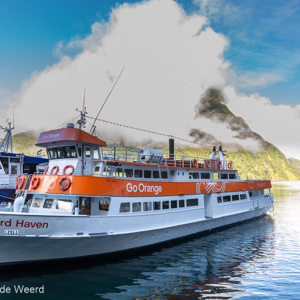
x: 156, y: 205
x: 60, y: 204
x: 202, y: 175
x: 229, y: 198
x: 130, y: 173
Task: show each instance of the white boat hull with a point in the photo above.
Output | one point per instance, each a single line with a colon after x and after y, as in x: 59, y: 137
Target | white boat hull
x: 39, y: 247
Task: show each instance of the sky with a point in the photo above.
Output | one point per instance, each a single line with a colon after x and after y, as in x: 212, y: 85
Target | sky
x: 51, y: 51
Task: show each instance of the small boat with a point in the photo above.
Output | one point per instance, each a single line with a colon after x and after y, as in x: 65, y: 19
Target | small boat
x: 12, y: 166
x: 95, y: 199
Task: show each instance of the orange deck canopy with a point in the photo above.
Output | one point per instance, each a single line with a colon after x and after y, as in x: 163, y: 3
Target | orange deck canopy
x: 68, y: 134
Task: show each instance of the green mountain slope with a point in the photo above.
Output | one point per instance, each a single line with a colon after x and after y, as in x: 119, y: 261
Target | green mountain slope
x: 24, y: 142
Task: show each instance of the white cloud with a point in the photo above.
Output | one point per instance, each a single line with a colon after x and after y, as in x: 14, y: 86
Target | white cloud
x: 171, y: 59
x: 277, y: 124
x: 250, y: 80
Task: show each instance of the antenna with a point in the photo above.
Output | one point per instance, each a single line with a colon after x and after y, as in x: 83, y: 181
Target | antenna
x: 93, y: 128
x: 7, y: 139
x: 83, y: 113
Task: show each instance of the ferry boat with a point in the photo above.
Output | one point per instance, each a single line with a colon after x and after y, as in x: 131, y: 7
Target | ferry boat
x: 95, y: 199
x: 13, y: 166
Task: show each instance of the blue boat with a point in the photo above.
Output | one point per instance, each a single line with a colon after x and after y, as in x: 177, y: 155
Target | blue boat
x: 12, y: 165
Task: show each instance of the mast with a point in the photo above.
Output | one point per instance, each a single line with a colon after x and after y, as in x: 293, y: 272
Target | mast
x: 81, y: 123
x: 7, y: 141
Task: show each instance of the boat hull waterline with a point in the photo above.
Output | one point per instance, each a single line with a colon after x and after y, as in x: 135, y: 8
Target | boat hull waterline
x: 40, y: 243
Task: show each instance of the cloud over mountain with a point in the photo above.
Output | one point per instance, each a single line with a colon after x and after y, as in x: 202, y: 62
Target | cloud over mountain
x: 171, y: 60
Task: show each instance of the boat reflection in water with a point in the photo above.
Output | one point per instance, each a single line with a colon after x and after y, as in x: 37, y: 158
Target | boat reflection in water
x: 211, y: 265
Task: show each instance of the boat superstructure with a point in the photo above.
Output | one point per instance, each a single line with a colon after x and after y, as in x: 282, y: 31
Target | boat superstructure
x: 13, y: 165
x: 96, y: 199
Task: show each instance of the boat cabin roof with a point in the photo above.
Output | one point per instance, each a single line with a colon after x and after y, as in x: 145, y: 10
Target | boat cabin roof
x: 68, y: 134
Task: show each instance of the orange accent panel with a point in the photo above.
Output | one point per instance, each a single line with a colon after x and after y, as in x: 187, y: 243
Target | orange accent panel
x: 108, y: 186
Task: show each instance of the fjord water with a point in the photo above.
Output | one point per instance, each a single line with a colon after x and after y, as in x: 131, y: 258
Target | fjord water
x: 255, y: 260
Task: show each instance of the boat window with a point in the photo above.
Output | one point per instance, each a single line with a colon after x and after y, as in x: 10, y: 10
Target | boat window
x: 104, y: 204
x: 181, y: 203
x: 79, y: 151
x: 147, y: 206
x: 125, y: 207
x: 128, y: 173
x: 155, y: 174
x: 192, y: 202
x: 36, y: 202
x: 70, y: 152
x: 13, y: 169
x: 96, y: 170
x: 48, y: 203
x: 4, y: 161
x: 172, y: 172
x: 165, y: 205
x: 147, y: 174
x: 109, y: 171
x: 119, y: 172
x: 87, y: 152
x: 14, y: 160
x: 62, y: 152
x: 205, y: 175
x: 250, y: 194
x: 174, y: 204
x: 193, y: 175
x: 156, y: 205
x: 219, y: 198
x: 235, y: 197
x: 243, y: 196
x: 164, y: 174
x: 138, y: 173
x: 224, y: 176
x: 226, y: 198
x: 214, y: 175
x: 64, y: 204
x: 232, y: 176
x: 96, y: 153
x: 136, y: 206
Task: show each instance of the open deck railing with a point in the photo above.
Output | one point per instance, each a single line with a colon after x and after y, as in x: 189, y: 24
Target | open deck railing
x: 132, y: 154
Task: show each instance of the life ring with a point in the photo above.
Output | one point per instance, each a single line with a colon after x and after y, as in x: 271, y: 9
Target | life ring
x: 195, y: 163
x: 46, y: 170
x: 229, y: 165
x: 20, y: 182
x: 207, y: 163
x: 65, y: 183
x: 67, y: 167
x: 54, y: 170
x: 35, y: 182
x: 219, y: 164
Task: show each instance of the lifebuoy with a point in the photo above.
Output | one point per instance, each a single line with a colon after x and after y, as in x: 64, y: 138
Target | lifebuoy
x: 229, y: 165
x: 219, y: 164
x: 67, y: 167
x: 207, y: 163
x: 35, y: 182
x: 46, y: 170
x: 65, y: 183
x: 20, y: 182
x: 195, y: 163
x: 54, y: 170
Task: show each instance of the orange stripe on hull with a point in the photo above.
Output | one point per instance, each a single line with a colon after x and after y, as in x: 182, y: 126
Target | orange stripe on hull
x: 98, y: 186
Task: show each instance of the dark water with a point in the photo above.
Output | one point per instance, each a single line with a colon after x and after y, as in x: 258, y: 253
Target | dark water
x: 256, y: 260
